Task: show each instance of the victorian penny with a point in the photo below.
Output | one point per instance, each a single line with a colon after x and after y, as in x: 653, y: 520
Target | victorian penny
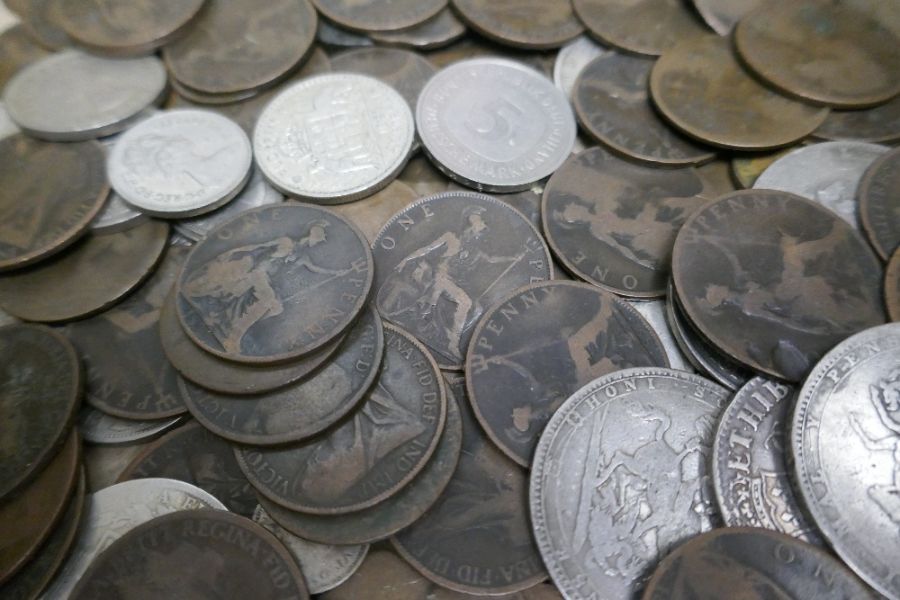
x: 523, y: 23
x: 880, y: 124
x: 379, y: 15
x: 879, y: 203
x: 371, y: 213
x: 747, y: 168
x: 527, y: 202
x: 892, y: 286
x: 440, y: 30
x: 404, y: 70
x: 723, y: 15
x: 17, y: 50
x: 97, y: 427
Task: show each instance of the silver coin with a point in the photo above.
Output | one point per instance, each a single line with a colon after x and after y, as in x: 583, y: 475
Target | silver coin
x: 749, y: 461
x: 116, y: 215
x: 72, y: 96
x: 845, y: 439
x: 655, y: 313
x: 723, y: 15
x: 572, y: 58
x: 332, y: 35
x: 114, y: 511
x: 621, y: 476
x: 437, y: 31
x: 324, y: 566
x: 97, y: 427
x: 494, y: 124
x: 180, y: 163
x: 334, y: 138
x: 7, y: 127
x: 827, y: 173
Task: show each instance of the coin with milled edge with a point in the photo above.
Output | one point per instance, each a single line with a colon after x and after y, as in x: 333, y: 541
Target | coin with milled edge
x: 879, y: 203
x: 880, y: 124
x: 440, y: 30
x: 97, y: 427
x: 523, y: 23
x: 654, y: 312
x: 405, y: 71
x: 723, y: 15
x: 379, y: 15
x: 372, y: 212
x: 892, y: 286
x: 572, y: 59
x: 747, y: 168
x: 17, y: 50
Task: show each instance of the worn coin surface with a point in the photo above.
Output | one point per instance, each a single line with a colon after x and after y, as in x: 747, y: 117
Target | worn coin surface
x: 654, y: 312
x: 372, y: 212
x: 879, y: 203
x: 97, y: 427
x: 444, y: 260
x: 892, y: 286
x: 405, y: 71
x: 775, y: 280
x: 43, y: 19
x: 509, y: 127
x: 723, y: 15
x: 440, y: 30
x: 379, y: 15
x: 571, y: 59
x: 621, y: 476
x: 49, y: 193
x: 747, y: 168
x: 849, y: 487
x: 880, y: 124
x: 72, y: 96
x: 823, y: 52
x: 523, y: 23
x: 701, y: 89
x: 370, y: 456
x: 17, y: 50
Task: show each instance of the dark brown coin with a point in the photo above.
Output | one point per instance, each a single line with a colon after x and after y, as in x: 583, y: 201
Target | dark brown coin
x: 202, y: 554
x: 775, y: 280
x: 536, y: 347
x: 612, y: 102
x: 821, y: 51
x: 127, y: 373
x: 404, y: 70
x: 371, y: 213
x: 303, y: 409
x: 533, y: 24
x: 49, y: 194
x: 437, y: 31
x: 17, y: 50
x: 879, y: 203
x: 126, y: 28
x: 28, y: 518
x: 40, y: 389
x: 43, y: 19
x: 95, y: 274
x: 880, y: 124
x: 370, y: 456
x: 527, y: 202
x: 892, y: 286
x: 379, y: 15
x: 211, y: 99
x: 613, y: 222
x: 717, y: 178
x: 701, y: 89
x: 274, y: 283
x: 241, y: 45
x: 477, y: 537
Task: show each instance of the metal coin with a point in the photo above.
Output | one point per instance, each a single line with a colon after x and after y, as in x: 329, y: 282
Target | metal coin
x: 104, y: 464
x: 701, y: 89
x: 849, y: 487
x: 97, y: 427
x: 208, y: 164
x: 324, y: 566
x: 405, y: 71
x: 421, y: 175
x: 879, y: 203
x: 330, y: 34
x: 299, y: 273
x: 17, y: 50
x: 477, y: 47
x: 371, y: 213
x: 612, y: 103
x: 537, y: 346
x: 40, y: 383
x: 116, y: 215
x: 748, y: 167
x: 93, y: 275
x: 214, y: 554
x: 717, y: 178
x: 822, y: 52
x: 374, y: 453
x: 640, y: 26
x: 613, y: 222
x: 527, y: 202
x: 647, y: 432
x: 440, y: 30
x: 442, y: 262
x: 116, y: 510
x: 43, y: 19
x: 723, y: 15
x: 828, y: 173
x: 572, y: 59
x: 880, y: 124
x: 775, y: 280
x: 379, y: 15
x: 49, y: 193
x: 654, y: 312
x: 204, y: 98
x: 301, y: 410
x: 366, y: 142
x: 7, y: 127
x: 892, y: 286
x: 71, y: 96
x: 522, y: 23
x: 241, y: 45
x: 508, y: 129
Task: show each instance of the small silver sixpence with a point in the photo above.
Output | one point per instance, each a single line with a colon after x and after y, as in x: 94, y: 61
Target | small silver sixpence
x: 334, y: 138
x: 180, y: 163
x: 572, y: 58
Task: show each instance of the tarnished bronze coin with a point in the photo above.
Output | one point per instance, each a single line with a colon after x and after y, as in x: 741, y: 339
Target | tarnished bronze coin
x: 40, y: 389
x: 17, y: 50
x: 242, y: 45
x: 536, y: 347
x: 825, y: 52
x: 203, y: 554
x: 404, y: 70
x: 612, y: 102
x: 274, y: 283
x: 303, y: 409
x: 440, y: 30
x: 371, y: 213
x: 613, y: 222
x: 533, y: 24
x: 723, y: 15
x: 879, y: 125
x: 701, y: 89
x: 95, y: 274
x: 49, y: 194
x: 379, y: 15
x: 775, y: 280
x: 717, y: 178
x: 747, y: 168
x: 892, y: 286
x: 879, y: 203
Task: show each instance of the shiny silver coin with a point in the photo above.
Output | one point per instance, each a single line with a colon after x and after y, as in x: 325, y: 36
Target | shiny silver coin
x: 334, y: 138
x: 655, y: 313
x: 116, y: 214
x: 97, y: 427
x: 494, y: 124
x: 572, y: 58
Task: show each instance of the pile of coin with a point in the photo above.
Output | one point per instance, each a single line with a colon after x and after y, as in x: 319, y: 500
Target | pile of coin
x: 432, y: 299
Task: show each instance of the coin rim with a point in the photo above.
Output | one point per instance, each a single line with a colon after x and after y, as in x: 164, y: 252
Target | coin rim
x: 864, y: 199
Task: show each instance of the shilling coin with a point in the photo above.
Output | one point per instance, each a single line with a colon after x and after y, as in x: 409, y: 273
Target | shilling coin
x: 523, y: 23
x: 571, y: 59
x: 850, y: 487
x: 17, y: 50
x: 379, y: 15
x: 538, y: 345
x: 747, y: 168
x: 440, y: 30
x: 371, y: 455
x: 775, y: 280
x: 654, y: 312
x: 700, y: 87
x: 97, y: 427
x: 443, y: 261
x: 723, y: 15
x: 879, y: 203
x: 330, y: 34
x: 180, y: 163
x: 824, y: 52
x: 495, y: 124
x: 371, y: 213
x: 621, y: 476
x: 405, y: 71
x: 892, y: 286
x: 73, y: 96
x: 880, y: 124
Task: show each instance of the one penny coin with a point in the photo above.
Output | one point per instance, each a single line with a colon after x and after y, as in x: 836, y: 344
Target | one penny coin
x: 524, y: 23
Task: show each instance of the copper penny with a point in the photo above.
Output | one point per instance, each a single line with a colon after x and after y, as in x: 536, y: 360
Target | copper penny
x: 17, y: 50
x: 440, y: 30
x: 533, y: 24
x: 379, y: 15
x: 879, y: 125
x: 371, y: 213
x: 775, y: 280
x: 49, y: 194
x: 93, y: 275
x: 879, y: 203
x: 892, y: 286
x: 404, y: 70
x: 748, y: 167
